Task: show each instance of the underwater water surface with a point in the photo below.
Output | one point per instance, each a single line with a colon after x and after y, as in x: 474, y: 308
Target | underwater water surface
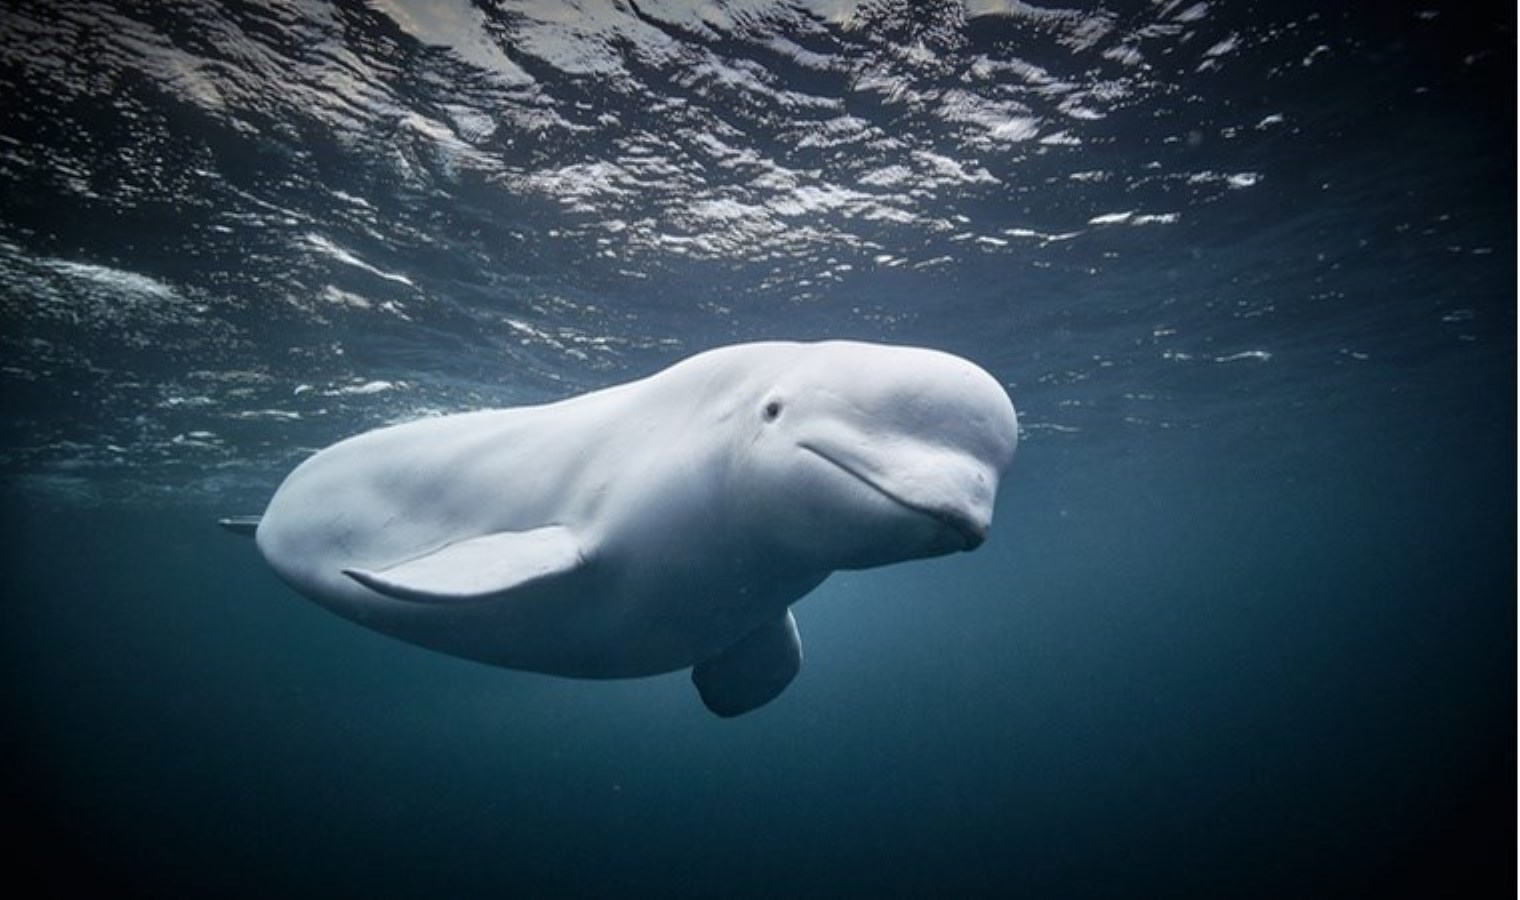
x: 1245, y: 623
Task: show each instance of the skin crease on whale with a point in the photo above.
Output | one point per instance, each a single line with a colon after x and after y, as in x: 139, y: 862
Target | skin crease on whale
x: 664, y: 524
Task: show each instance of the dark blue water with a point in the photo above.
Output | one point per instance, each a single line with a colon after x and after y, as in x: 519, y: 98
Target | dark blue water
x: 1246, y: 622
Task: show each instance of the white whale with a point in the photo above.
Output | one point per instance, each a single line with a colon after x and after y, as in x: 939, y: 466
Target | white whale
x: 663, y: 524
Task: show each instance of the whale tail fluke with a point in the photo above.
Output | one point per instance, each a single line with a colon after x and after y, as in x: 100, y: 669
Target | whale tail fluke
x: 243, y: 525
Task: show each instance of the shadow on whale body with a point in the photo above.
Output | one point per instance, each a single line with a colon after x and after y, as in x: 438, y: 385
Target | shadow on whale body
x: 663, y: 524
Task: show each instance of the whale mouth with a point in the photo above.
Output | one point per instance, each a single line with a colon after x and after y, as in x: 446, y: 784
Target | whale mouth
x: 971, y: 533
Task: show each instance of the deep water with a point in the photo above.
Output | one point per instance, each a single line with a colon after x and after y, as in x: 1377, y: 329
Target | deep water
x: 1246, y: 622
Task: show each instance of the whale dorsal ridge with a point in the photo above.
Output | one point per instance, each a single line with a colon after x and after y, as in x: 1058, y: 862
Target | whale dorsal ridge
x: 478, y: 568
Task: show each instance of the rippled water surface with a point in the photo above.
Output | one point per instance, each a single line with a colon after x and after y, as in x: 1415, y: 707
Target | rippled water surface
x: 1245, y: 626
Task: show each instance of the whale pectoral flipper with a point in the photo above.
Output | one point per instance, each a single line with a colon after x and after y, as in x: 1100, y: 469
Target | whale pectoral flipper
x: 478, y: 568
x: 752, y: 672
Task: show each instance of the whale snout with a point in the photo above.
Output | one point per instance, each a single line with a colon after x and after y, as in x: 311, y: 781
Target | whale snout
x: 970, y: 528
x: 956, y: 493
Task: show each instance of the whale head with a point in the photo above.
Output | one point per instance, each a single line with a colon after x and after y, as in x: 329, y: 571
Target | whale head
x: 861, y: 455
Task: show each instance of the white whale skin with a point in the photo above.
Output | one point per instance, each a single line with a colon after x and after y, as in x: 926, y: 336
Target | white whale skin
x: 662, y: 524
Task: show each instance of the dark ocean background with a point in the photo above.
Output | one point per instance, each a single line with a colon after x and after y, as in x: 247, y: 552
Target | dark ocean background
x: 1246, y: 622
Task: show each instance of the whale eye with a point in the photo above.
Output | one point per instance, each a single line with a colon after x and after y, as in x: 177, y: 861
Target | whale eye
x: 772, y: 410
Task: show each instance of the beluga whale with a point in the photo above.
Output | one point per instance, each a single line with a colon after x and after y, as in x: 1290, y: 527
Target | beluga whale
x: 664, y: 524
